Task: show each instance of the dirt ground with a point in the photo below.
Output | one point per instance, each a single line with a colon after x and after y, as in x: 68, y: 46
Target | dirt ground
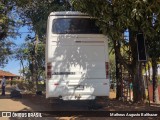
x: 31, y: 102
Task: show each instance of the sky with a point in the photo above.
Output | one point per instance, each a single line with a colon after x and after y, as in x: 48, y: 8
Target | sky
x: 13, y: 65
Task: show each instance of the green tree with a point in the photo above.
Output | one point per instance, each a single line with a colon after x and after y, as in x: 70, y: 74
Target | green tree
x: 152, y: 30
x: 154, y: 54
x: 7, y: 29
x: 114, y: 17
x: 35, y: 14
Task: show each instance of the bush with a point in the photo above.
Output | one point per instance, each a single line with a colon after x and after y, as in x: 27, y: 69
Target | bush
x: 14, y: 82
x: 28, y: 86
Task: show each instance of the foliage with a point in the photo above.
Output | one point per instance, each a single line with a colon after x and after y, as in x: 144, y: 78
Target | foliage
x: 35, y: 13
x: 118, y: 15
x: 26, y: 53
x: 7, y: 29
x: 115, y: 17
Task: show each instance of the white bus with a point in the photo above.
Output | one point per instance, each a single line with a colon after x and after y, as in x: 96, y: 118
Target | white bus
x: 76, y: 57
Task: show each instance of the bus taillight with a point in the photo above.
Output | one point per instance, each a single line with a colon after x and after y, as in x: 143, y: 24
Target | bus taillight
x: 107, y: 70
x: 49, y: 70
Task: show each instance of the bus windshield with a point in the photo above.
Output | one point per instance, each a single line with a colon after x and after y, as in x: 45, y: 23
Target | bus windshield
x: 74, y: 26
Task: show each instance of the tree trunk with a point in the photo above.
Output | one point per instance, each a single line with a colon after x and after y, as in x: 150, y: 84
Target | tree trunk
x: 142, y: 82
x: 155, y: 81
x: 119, y: 91
x: 149, y: 74
x: 36, y: 68
x: 22, y: 67
x: 138, y: 85
x: 136, y: 89
x: 136, y: 68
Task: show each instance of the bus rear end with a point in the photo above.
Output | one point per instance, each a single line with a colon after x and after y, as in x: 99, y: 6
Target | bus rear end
x: 76, y: 58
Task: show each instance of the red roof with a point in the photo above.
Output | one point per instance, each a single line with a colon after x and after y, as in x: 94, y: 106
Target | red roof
x: 7, y: 74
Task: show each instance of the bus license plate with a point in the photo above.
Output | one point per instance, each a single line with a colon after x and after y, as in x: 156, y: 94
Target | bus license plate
x: 80, y: 87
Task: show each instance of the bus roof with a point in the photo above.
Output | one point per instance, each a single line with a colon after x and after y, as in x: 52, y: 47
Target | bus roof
x: 67, y: 13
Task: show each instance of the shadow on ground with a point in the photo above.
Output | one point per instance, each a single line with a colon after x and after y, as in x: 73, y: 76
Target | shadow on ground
x: 40, y: 103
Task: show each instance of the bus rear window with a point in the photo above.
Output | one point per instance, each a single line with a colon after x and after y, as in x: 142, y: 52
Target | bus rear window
x: 75, y: 26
